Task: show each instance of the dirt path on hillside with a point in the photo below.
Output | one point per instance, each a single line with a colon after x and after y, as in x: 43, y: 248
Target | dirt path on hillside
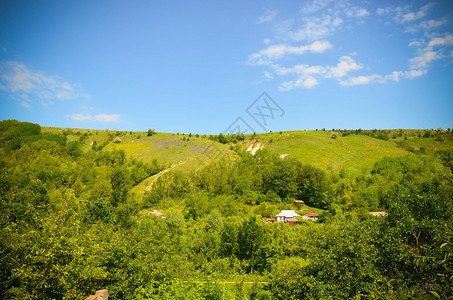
x: 147, y: 188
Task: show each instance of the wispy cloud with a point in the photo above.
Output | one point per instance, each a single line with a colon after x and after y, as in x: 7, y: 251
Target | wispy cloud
x: 404, y: 17
x: 422, y: 60
x: 306, y: 82
x: 308, y: 76
x: 25, y: 104
x: 104, y: 118
x: 412, y: 18
x: 20, y: 80
x: 441, y: 41
x: 321, y: 18
x: 268, y: 16
x: 357, y: 12
x: 315, y: 6
x: 433, y: 50
x: 315, y: 28
x: 274, y: 52
x: 405, y: 14
x: 358, y: 80
x: 394, y: 76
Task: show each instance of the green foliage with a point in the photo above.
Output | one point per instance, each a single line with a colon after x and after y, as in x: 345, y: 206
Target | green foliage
x: 446, y: 157
x: 151, y: 132
x: 71, y: 222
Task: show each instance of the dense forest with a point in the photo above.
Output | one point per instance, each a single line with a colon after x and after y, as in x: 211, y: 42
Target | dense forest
x: 70, y: 224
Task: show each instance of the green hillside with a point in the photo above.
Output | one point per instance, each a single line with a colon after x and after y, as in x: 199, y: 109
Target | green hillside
x: 188, y: 153
x: 353, y: 152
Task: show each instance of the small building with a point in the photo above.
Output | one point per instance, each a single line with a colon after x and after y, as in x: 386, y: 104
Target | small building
x: 157, y: 213
x: 285, y: 215
x: 311, y: 215
x: 300, y: 202
x: 293, y: 222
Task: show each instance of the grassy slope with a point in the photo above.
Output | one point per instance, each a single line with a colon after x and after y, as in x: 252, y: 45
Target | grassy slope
x: 184, y: 156
x: 353, y: 152
x: 167, y: 148
x: 431, y: 145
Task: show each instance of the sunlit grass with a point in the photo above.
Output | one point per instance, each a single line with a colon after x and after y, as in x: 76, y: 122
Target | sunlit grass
x: 353, y: 152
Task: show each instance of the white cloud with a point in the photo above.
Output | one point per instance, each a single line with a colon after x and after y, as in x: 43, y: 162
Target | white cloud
x: 321, y: 18
x: 315, y: 27
x: 415, y: 73
x: 406, y: 15
x: 357, y: 12
x: 307, y: 75
x: 286, y: 86
x: 273, y: 52
x: 310, y: 82
x: 319, y: 46
x: 422, y: 60
x: 105, y: 118
x: 415, y: 44
x: 433, y: 50
x: 359, y: 80
x: 440, y: 41
x: 315, y: 6
x: 307, y: 82
x: 413, y: 16
x: 18, y: 79
x: 345, y: 65
x: 394, y: 76
x: 268, y: 16
x: 267, y: 41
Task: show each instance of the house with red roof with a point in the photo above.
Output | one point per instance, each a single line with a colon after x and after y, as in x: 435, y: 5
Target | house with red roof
x: 311, y: 215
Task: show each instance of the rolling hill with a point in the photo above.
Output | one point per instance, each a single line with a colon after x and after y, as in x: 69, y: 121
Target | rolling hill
x: 355, y: 152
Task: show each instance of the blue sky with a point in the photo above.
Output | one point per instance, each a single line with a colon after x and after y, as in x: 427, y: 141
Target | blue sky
x: 196, y: 66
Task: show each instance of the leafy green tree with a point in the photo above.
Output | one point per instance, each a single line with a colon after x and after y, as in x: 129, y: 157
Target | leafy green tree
x: 250, y: 236
x: 120, y: 185
x: 222, y: 139
x: 151, y: 132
